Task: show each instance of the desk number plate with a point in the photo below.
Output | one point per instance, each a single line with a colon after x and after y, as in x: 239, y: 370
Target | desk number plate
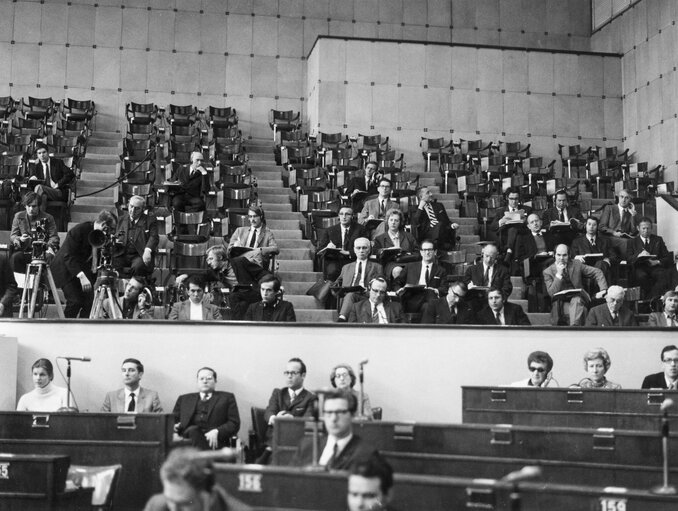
x: 4, y: 470
x: 609, y: 504
x: 249, y: 482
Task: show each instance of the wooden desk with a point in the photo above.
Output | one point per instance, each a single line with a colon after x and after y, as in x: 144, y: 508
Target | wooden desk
x: 139, y: 442
x: 583, y: 408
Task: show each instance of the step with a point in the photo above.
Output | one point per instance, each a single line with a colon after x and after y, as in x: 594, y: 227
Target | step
x: 296, y: 254
x: 94, y: 200
x: 522, y: 303
x: 282, y: 215
x: 289, y: 265
x: 97, y: 141
x: 315, y: 315
x: 539, y: 318
x: 269, y: 198
x: 272, y: 184
x: 296, y: 288
x: 86, y: 190
x: 102, y: 158
x: 303, y: 302
x: 464, y: 220
x: 286, y: 234
x: 89, y: 210
x: 265, y: 166
x: 94, y: 151
x: 107, y: 135
x: 466, y: 229
x: 467, y: 239
x: 274, y: 207
x: 294, y: 243
x: 450, y: 206
x: 283, y: 224
x: 300, y: 276
x: 89, y: 167
x: 266, y: 173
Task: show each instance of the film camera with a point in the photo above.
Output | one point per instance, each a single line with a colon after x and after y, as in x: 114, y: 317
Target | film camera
x: 38, y: 241
x: 107, y: 244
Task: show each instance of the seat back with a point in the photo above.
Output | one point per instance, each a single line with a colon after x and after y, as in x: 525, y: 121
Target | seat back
x: 259, y: 426
x: 377, y: 413
x: 104, y: 480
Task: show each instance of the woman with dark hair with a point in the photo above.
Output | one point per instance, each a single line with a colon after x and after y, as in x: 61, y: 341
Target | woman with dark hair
x: 596, y: 364
x: 395, y: 236
x: 45, y: 397
x: 343, y: 378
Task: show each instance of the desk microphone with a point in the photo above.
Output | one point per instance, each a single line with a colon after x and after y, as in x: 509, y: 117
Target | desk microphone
x: 81, y: 359
x: 363, y: 362
x: 524, y: 474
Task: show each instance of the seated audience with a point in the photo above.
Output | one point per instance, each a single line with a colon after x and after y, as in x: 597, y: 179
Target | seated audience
x: 500, y: 312
x: 132, y: 398
x: 340, y: 236
x: 668, y: 317
x: 271, y: 307
x: 137, y: 234
x: 426, y: 272
x: 596, y: 363
x: 451, y: 309
x: 395, y: 237
x: 194, y: 185
x: 195, y: 308
x: 668, y: 378
x: 375, y: 209
x: 619, y: 222
x: 45, y: 397
x: 430, y: 222
x: 343, y: 377
x: 567, y: 274
x: 209, y: 417
x: 24, y: 226
x: 591, y: 243
x: 533, y: 244
x: 369, y: 485
x: 561, y: 212
x: 540, y: 365
x: 130, y: 305
x: 8, y: 288
x: 613, y: 312
x: 50, y: 176
x: 488, y: 273
x: 509, y: 221
x: 358, y: 273
x: 377, y: 308
x: 261, y: 242
x: 363, y: 185
x: 341, y: 448
x: 650, y: 259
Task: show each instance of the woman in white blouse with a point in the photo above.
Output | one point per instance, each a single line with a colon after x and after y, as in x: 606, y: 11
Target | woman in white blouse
x: 45, y: 397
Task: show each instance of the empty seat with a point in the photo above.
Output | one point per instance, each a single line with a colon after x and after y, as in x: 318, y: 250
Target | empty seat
x: 104, y: 480
x: 78, y: 110
x: 222, y: 117
x: 182, y: 115
x: 141, y: 113
x: 287, y: 120
x: 39, y: 108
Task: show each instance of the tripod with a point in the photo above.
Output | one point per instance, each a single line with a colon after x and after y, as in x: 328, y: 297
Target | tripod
x: 39, y: 269
x: 106, y: 289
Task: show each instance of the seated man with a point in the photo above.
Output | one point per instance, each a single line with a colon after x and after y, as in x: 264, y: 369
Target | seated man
x: 358, y: 273
x: 261, y: 242
x: 668, y: 378
x: 591, y: 243
x: 619, y: 222
x: 24, y: 227
x: 500, y: 312
x: 209, y: 418
x: 128, y: 304
x: 430, y: 222
x: 340, y: 236
x: 561, y: 212
x: 341, y: 448
x: 613, y: 312
x: 375, y: 209
x: 451, y: 309
x: 363, y: 185
x: 369, y: 485
x: 132, y: 398
x: 137, y: 234
x: 194, y: 185
x: 272, y: 307
x: 195, y: 308
x: 8, y: 288
x: 540, y: 365
x: 426, y: 272
x: 488, y: 273
x: 650, y: 259
x: 50, y: 177
x: 566, y: 274
x: 533, y: 244
x: 376, y: 309
x: 666, y: 318
x: 509, y: 221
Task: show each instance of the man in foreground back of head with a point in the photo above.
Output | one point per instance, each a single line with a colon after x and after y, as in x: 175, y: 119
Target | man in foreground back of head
x: 369, y: 485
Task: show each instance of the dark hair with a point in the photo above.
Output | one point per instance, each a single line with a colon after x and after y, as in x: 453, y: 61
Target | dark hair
x: 46, y: 365
x: 512, y: 189
x: 351, y: 374
x: 140, y: 366
x: 185, y: 465
x: 195, y: 279
x: 351, y: 400
x: 498, y: 290
x: 645, y: 219
x: 427, y: 240
x: 107, y: 218
x: 207, y: 369
x: 670, y: 347
x: 562, y: 191
x: 270, y: 278
x: 541, y: 357
x: 590, y: 217
x: 41, y: 145
x: 462, y: 285
x: 28, y: 198
x: 300, y: 362
x: 386, y: 180
x: 259, y: 211
x: 375, y: 466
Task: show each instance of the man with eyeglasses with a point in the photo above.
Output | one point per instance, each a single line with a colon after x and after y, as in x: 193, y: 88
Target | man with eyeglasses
x: 340, y: 236
x: 341, y: 448
x: 358, y: 273
x: 430, y: 221
x: 427, y: 273
x: 195, y: 308
x: 510, y: 220
x: 376, y: 309
x: 613, y: 312
x: 375, y: 209
x: 451, y: 309
x: 194, y: 185
x: 540, y: 365
x: 668, y: 378
x: 293, y: 400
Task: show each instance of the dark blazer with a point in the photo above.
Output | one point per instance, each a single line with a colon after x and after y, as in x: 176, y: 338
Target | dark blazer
x: 74, y: 256
x: 147, y: 401
x: 60, y: 173
x: 222, y: 414
x: 442, y: 233
x: 438, y: 313
x: 500, y: 277
x: 8, y: 286
x: 407, y: 242
x: 372, y: 270
x: 654, y: 381
x: 302, y: 406
x: 610, y: 220
x: 361, y: 312
x: 147, y: 237
x: 600, y: 316
x: 282, y: 312
x: 333, y: 234
x: 358, y: 183
x: 523, y: 245
x: 411, y: 272
x: 181, y: 311
x: 22, y: 225
x: 513, y: 315
x: 193, y: 186
x: 356, y: 450
x: 657, y: 319
x: 551, y: 215
x: 657, y: 247
x: 582, y: 246
x: 500, y: 214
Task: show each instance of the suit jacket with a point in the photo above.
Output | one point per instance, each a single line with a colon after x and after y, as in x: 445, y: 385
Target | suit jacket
x: 513, y: 315
x: 523, y: 244
x: 196, y: 185
x: 333, y: 234
x: 371, y: 208
x: 610, y: 220
x: 576, y: 271
x: 371, y: 271
x: 358, y: 183
x: 500, y: 277
x: 60, y: 173
x: 22, y: 225
x: 282, y: 312
x: 407, y: 242
x: 657, y: 247
x: 302, y: 406
x: 500, y: 214
x: 356, y: 450
x: 74, y: 256
x: 265, y: 239
x: 421, y: 225
x: 411, y: 271
x: 600, y: 316
x: 361, y: 312
x: 657, y: 319
x: 147, y: 401
x: 654, y: 381
x: 582, y: 246
x: 182, y: 312
x: 8, y: 286
x: 222, y: 413
x: 146, y: 237
x: 438, y: 313
x: 551, y: 215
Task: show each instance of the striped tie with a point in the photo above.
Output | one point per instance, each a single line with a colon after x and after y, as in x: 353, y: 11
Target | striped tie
x: 431, y: 215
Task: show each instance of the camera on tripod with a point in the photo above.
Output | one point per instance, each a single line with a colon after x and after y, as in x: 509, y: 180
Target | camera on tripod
x: 38, y: 240
x: 106, y: 242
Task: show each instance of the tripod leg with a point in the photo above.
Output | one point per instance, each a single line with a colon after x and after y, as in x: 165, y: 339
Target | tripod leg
x: 96, y: 306
x: 34, y: 294
x: 24, y: 293
x: 115, y: 309
x: 57, y: 301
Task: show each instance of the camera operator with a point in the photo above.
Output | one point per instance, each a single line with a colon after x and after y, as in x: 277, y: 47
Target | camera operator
x: 29, y: 226
x: 138, y: 235
x: 75, y: 265
x: 135, y: 303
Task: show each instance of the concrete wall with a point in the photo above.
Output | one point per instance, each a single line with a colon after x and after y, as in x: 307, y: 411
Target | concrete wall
x: 8, y: 372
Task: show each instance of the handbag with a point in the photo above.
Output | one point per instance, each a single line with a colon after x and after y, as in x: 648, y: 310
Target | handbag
x: 320, y: 290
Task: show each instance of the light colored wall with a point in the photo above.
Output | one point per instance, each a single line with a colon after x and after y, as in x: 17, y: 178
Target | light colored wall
x: 8, y: 372
x: 414, y: 373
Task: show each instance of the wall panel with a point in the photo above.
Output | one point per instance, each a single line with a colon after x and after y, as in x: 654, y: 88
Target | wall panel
x: 27, y: 23
x: 107, y: 68
x: 133, y: 69
x: 264, y: 76
x: 186, y: 73
x: 238, y: 75
x: 290, y: 79
x: 79, y: 67
x: 54, y: 24
x: 135, y: 29
x: 52, y: 72
x: 108, y: 27
x: 80, y: 26
x: 264, y: 36
x: 25, y: 64
x: 161, y: 30
x: 188, y: 35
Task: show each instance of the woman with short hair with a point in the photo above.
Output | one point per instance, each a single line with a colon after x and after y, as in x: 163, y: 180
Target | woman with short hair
x: 343, y: 378
x: 45, y: 397
x: 596, y: 364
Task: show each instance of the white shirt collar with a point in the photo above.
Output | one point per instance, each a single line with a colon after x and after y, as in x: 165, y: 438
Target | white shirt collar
x: 196, y: 311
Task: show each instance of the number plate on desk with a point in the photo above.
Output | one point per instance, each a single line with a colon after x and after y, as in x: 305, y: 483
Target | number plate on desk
x: 40, y: 421
x: 655, y: 398
x: 4, y: 470
x: 498, y: 396
x: 250, y: 482
x: 608, y: 504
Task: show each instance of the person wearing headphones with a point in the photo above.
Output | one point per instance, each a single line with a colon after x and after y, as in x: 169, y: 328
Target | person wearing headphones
x: 272, y: 307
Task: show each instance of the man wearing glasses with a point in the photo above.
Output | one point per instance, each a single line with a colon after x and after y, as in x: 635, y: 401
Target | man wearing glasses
x: 340, y: 236
x: 427, y: 273
x: 540, y: 365
x: 194, y: 185
x: 375, y: 209
x: 668, y: 378
x: 341, y: 448
x: 451, y: 309
x: 510, y: 220
x: 358, y: 273
x: 376, y: 309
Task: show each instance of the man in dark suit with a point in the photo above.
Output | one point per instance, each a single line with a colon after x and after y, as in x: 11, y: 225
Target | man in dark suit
x: 666, y: 318
x: 668, y: 378
x: 613, y: 312
x: 650, y: 259
x: 209, y: 418
x: 132, y: 398
x: 363, y: 185
x: 426, y: 272
x: 195, y: 308
x: 591, y: 243
x: 358, y: 273
x: 23, y: 226
x: 138, y: 235
x: 8, y: 288
x: 619, y: 222
x: 194, y: 185
x: 128, y: 303
x: 50, y: 177
x: 272, y: 307
x: 561, y: 212
x: 451, y: 309
x: 74, y: 268
x: 533, y: 244
x: 340, y: 236
x: 376, y: 309
x: 487, y: 273
x: 430, y: 221
x: 500, y: 312
x: 341, y: 448
x: 505, y: 223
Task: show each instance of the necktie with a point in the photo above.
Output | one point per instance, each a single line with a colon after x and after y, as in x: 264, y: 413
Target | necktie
x: 375, y: 315
x: 293, y: 396
x: 132, y: 404
x: 335, y: 451
x: 453, y: 312
x: 486, y: 277
x: 358, y: 271
x: 647, y: 244
x: 592, y: 241
x: 431, y: 215
x: 48, y: 177
x: 497, y: 317
x: 626, y: 222
x: 561, y: 216
x: 253, y: 241
x: 673, y: 386
x: 671, y: 320
x: 344, y: 243
x: 382, y: 207
x: 428, y: 273
x: 614, y: 318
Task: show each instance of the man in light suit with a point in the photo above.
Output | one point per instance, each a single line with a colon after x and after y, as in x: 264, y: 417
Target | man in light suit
x: 375, y: 209
x: 209, y: 418
x: 138, y: 235
x: 376, y: 309
x: 613, y: 312
x: 21, y: 237
x: 652, y: 275
x: 668, y: 378
x: 668, y: 317
x: 260, y: 240
x: 194, y: 309
x: 50, y: 176
x: 430, y: 221
x: 358, y: 273
x: 619, y: 222
x: 132, y: 398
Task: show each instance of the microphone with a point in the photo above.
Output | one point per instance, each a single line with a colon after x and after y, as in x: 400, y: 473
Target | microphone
x: 363, y: 362
x: 524, y: 474
x: 81, y: 359
x: 666, y: 404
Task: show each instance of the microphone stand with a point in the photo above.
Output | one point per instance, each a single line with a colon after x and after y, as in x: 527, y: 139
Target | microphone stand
x: 666, y: 488
x: 315, y: 465
x: 361, y: 392
x: 68, y: 408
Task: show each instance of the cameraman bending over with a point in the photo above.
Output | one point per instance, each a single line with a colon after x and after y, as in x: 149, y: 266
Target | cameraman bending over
x: 23, y: 227
x: 73, y: 269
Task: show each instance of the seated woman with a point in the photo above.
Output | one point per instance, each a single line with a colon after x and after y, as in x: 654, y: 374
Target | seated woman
x: 596, y: 364
x: 540, y: 365
x: 343, y: 378
x: 45, y: 397
x: 394, y: 237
